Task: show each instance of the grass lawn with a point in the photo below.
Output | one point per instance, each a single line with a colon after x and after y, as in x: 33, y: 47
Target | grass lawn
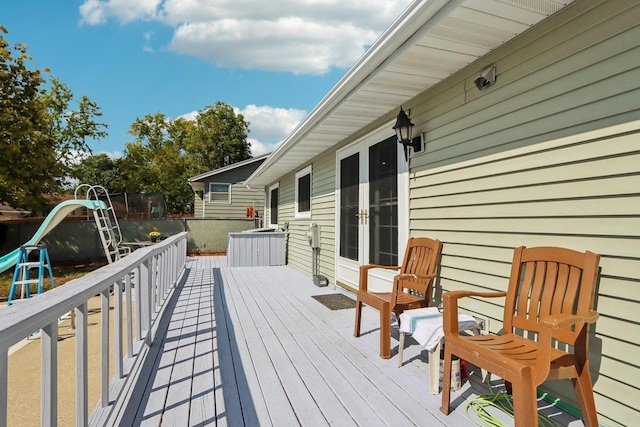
x: 61, y: 275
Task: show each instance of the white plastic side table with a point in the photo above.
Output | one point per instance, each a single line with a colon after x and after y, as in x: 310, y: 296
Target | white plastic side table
x: 425, y: 324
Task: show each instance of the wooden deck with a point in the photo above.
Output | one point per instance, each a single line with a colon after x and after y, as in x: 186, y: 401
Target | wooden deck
x: 249, y: 346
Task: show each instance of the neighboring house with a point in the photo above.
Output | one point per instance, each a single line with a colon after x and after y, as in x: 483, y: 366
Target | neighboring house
x: 221, y: 193
x: 8, y: 213
x: 548, y: 155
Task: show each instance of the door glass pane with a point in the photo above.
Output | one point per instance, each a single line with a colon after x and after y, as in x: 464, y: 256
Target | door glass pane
x: 383, y: 203
x: 349, y: 205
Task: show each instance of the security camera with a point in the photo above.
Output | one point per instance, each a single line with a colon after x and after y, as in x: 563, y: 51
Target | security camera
x: 486, y: 78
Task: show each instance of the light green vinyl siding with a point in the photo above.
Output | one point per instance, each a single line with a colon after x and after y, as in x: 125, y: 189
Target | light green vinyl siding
x: 580, y: 194
x: 241, y: 199
x: 550, y: 155
x: 299, y: 252
x: 497, y: 174
x: 198, y: 204
x: 206, y: 206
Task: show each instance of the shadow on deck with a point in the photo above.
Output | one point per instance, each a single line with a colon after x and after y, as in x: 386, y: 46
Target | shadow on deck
x: 250, y: 346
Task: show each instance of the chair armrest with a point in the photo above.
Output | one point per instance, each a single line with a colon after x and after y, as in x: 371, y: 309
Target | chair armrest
x: 545, y: 337
x: 456, y: 295
x: 450, y: 312
x: 566, y: 320
x: 386, y: 267
x: 364, y: 274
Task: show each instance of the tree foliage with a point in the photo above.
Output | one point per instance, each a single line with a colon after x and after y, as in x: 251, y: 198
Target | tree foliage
x: 44, y: 129
x: 40, y: 135
x: 220, y: 137
x: 98, y: 169
x: 166, y: 153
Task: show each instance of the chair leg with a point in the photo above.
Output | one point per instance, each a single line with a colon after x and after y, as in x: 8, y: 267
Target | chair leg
x: 434, y: 369
x: 356, y: 329
x: 584, y: 391
x: 400, y: 349
x: 446, y: 381
x: 525, y: 404
x: 385, y: 331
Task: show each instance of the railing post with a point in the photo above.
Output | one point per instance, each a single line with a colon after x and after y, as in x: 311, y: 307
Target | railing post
x: 104, y: 348
x: 129, y: 313
x: 4, y: 385
x: 145, y: 297
x: 153, y: 276
x: 49, y: 374
x: 117, y: 325
x: 165, y: 274
x: 82, y: 374
x: 159, y: 286
x: 139, y: 302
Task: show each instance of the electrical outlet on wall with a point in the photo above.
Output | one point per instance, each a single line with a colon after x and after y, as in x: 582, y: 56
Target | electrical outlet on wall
x: 483, y: 322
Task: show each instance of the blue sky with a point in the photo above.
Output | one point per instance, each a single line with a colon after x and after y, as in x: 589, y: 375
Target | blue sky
x: 272, y: 60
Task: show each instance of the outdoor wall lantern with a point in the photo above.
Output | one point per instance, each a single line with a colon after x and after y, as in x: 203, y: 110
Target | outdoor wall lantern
x: 404, y: 131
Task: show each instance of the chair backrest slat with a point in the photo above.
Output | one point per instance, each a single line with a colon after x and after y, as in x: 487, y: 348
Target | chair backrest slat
x: 421, y: 259
x: 547, y: 281
x: 550, y: 287
x: 562, y: 290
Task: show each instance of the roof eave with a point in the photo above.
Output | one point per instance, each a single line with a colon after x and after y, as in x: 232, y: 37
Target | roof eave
x: 403, y: 29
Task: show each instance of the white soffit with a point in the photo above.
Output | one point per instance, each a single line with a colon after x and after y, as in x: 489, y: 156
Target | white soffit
x: 429, y: 42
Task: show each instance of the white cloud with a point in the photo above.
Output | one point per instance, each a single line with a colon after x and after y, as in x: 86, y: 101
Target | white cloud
x: 268, y: 126
x: 271, y: 124
x: 258, y: 148
x: 298, y: 36
x: 287, y: 44
x: 96, y: 12
x: 189, y: 116
x: 113, y: 155
x: 147, y: 38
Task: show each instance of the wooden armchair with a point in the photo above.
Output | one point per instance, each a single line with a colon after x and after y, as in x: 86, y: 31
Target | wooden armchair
x: 416, y: 274
x: 551, y: 293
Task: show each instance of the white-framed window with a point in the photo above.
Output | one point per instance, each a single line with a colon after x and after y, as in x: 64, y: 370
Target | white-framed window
x: 303, y: 193
x: 274, y: 192
x: 220, y: 192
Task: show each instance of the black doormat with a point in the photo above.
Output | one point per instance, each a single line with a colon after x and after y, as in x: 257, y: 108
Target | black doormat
x: 335, y: 301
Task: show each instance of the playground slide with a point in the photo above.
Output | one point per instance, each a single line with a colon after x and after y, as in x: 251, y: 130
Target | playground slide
x: 50, y: 222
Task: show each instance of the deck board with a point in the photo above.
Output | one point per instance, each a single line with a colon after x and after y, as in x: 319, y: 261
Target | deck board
x: 249, y: 346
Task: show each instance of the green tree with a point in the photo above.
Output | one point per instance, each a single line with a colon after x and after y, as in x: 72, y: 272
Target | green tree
x: 40, y: 134
x: 166, y: 153
x: 98, y: 169
x: 220, y: 137
x: 70, y: 128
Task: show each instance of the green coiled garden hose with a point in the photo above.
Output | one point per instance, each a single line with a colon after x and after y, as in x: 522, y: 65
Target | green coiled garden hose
x: 477, y: 410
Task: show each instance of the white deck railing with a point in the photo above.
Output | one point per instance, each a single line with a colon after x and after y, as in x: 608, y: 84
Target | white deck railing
x: 150, y: 274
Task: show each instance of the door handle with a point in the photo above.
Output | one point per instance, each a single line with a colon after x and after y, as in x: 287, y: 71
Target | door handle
x: 363, y: 214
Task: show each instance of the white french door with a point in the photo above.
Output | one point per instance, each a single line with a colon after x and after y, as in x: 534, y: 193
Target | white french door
x: 372, y: 206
